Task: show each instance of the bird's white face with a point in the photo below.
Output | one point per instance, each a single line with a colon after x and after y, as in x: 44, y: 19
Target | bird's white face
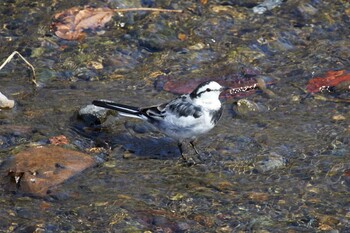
x: 207, y: 94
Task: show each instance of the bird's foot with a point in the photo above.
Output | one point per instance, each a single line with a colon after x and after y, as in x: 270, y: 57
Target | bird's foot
x: 191, y: 160
x: 188, y: 161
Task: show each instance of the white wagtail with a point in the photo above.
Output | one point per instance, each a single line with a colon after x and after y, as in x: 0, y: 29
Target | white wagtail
x: 183, y: 118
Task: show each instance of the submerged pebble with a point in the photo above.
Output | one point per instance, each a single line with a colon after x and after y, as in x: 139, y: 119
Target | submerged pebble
x: 270, y: 162
x: 245, y: 107
x: 266, y: 5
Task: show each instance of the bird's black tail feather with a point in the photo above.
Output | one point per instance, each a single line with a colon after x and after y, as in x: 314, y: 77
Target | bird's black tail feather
x: 124, y: 110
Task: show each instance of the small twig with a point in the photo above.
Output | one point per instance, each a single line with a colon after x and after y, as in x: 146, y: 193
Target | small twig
x: 298, y: 87
x: 335, y: 100
x: 147, y: 9
x: 9, y: 58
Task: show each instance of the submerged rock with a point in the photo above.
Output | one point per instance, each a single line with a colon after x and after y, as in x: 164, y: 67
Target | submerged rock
x: 266, y: 5
x: 245, y: 107
x: 38, y: 170
x: 270, y: 162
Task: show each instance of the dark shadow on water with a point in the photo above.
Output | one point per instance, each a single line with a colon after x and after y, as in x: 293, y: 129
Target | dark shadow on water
x: 148, y: 147
x: 139, y: 147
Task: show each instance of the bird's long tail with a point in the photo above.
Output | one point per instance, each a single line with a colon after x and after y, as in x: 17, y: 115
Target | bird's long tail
x: 122, y: 109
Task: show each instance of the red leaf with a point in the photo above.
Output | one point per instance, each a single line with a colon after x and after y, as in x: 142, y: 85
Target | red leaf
x: 330, y: 79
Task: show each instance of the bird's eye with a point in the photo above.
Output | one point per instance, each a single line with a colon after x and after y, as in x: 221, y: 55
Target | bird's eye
x: 208, y: 89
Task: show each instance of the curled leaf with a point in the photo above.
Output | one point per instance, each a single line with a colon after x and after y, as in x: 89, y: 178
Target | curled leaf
x: 71, y: 23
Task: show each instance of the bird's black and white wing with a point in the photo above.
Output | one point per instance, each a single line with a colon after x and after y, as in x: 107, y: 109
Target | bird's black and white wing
x: 179, y: 107
x: 183, y: 107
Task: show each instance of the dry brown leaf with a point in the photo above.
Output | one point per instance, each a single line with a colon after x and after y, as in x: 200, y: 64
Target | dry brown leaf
x: 92, y: 18
x: 182, y: 36
x: 71, y: 23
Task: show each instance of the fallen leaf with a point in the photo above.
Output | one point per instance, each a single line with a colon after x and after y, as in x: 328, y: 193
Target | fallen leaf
x: 240, y: 86
x: 182, y: 36
x: 71, y: 23
x: 338, y: 79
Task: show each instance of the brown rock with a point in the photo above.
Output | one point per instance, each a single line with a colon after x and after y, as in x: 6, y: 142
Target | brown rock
x: 38, y: 170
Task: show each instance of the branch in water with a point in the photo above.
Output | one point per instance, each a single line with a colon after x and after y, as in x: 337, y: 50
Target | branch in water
x: 9, y: 58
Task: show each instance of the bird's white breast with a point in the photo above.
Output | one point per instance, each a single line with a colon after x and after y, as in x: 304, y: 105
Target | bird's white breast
x: 186, y: 126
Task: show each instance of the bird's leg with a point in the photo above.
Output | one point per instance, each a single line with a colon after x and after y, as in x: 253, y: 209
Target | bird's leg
x: 199, y: 154
x: 194, y: 147
x: 188, y: 161
x: 179, y: 144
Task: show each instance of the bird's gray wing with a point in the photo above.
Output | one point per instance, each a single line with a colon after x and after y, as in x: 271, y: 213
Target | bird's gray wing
x: 181, y: 106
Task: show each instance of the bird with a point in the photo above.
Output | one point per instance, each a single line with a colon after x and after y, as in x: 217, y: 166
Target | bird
x: 184, y: 118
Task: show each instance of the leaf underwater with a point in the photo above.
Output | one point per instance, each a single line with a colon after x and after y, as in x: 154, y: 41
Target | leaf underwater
x: 71, y: 23
x: 240, y: 86
x: 331, y: 79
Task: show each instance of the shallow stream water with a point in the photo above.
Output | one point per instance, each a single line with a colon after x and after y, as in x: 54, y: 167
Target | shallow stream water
x: 284, y: 168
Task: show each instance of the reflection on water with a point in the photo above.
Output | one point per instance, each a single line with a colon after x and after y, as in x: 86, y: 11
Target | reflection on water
x: 284, y: 168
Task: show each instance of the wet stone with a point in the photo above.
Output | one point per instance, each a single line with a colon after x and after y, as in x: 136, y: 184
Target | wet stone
x: 92, y: 114
x: 38, y: 170
x: 85, y: 74
x: 266, y: 5
x: 245, y: 107
x: 5, y: 102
